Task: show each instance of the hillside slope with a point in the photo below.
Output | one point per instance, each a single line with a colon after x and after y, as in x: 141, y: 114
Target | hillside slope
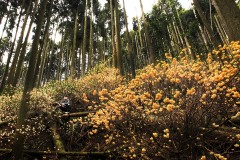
x: 177, y: 109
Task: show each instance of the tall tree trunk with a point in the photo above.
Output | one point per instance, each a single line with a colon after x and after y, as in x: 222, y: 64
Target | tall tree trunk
x: 43, y: 62
x: 84, y: 40
x: 79, y: 59
x: 114, y: 53
x: 44, y: 45
x: 202, y: 33
x: 178, y: 34
x: 118, y: 38
x: 214, y: 41
x: 17, y: 52
x: 91, y: 49
x: 51, y: 57
x: 68, y: 59
x: 73, y: 64
x: 193, y: 56
x: 149, y: 43
x: 4, y: 78
x: 220, y: 30
x: 100, y: 50
x: 19, y: 138
x: 59, y: 69
x: 229, y: 14
x: 24, y: 46
x: 130, y: 46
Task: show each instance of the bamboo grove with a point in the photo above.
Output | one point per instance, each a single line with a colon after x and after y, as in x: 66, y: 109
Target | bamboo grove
x: 75, y: 38
x: 45, y: 41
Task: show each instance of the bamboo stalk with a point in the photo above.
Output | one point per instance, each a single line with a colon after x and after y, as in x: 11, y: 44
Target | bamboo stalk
x: 57, y: 139
x: 77, y: 114
x: 60, y: 153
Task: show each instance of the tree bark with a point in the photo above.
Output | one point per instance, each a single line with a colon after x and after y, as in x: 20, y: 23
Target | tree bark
x: 193, y: 56
x: 43, y: 62
x: 24, y: 46
x: 130, y: 46
x: 57, y: 139
x: 84, y: 40
x: 59, y: 69
x: 148, y: 39
x: 4, y: 78
x: 91, y: 50
x: 214, y: 41
x: 73, y: 64
x: 114, y: 54
x: 19, y: 138
x: 118, y: 39
x: 229, y: 14
x: 43, y: 48
x: 17, y: 52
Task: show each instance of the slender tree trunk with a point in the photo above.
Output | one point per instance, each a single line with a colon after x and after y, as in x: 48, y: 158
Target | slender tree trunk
x: 68, y: 60
x: 149, y: 43
x: 118, y: 38
x: 177, y: 32
x: 59, y: 69
x: 185, y: 36
x: 17, y: 52
x: 140, y: 40
x: 79, y: 59
x: 19, y: 139
x: 100, y: 50
x: 44, y: 45
x: 73, y: 64
x: 214, y: 41
x: 43, y: 62
x: 229, y: 14
x: 84, y: 40
x: 51, y: 57
x: 221, y: 31
x: 91, y: 49
x: 173, y: 39
x: 24, y: 46
x: 203, y: 35
x: 130, y: 46
x: 4, y: 78
x: 114, y: 53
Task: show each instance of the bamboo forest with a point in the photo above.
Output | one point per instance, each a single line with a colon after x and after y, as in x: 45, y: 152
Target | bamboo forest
x: 113, y: 80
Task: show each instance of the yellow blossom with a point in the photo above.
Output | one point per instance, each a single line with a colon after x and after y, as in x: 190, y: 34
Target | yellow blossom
x: 176, y: 95
x: 158, y: 96
x: 203, y: 158
x: 166, y: 135
x: 213, y: 96
x: 155, y: 134
x: 236, y: 145
x: 170, y: 107
x: 191, y: 91
x: 155, y: 106
x: 144, y: 150
x: 95, y: 92
x: 204, y: 96
x: 166, y: 130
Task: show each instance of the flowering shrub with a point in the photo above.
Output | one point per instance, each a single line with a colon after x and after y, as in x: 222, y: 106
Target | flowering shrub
x: 173, y: 109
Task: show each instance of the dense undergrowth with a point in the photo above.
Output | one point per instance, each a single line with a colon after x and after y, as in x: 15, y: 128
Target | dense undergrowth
x: 177, y: 109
